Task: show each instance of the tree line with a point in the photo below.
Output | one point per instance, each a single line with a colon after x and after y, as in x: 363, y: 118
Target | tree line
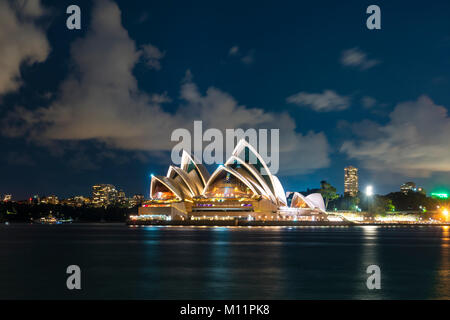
x: 26, y: 212
x: 394, y: 201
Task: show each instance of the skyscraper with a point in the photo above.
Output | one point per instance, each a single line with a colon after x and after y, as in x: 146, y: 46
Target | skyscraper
x: 103, y: 195
x: 351, y: 181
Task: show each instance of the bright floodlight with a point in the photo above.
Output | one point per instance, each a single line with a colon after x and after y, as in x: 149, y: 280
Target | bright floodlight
x: 369, y: 191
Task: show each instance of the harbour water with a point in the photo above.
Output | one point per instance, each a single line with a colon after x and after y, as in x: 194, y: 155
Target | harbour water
x: 157, y: 262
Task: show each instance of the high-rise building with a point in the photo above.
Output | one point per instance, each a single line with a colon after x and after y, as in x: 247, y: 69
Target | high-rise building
x: 408, y: 186
x: 351, y: 181
x: 76, y: 201
x: 121, y: 198
x: 137, y: 200
x: 50, y: 199
x: 104, y: 195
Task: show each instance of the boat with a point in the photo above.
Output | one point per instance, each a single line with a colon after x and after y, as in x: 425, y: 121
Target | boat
x: 52, y: 220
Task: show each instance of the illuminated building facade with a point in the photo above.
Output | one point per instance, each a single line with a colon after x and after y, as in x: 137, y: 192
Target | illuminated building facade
x: 136, y: 200
x: 408, y: 186
x: 76, y: 201
x: 50, y: 200
x: 121, y: 198
x: 236, y: 189
x: 104, y: 195
x: 411, y: 187
x: 351, y: 181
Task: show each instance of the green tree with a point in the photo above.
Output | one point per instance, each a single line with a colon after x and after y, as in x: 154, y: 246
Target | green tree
x: 381, y: 205
x: 390, y: 206
x: 353, y: 203
x: 328, y: 192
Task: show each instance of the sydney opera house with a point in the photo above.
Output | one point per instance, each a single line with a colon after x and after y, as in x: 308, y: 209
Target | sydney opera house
x: 241, y: 188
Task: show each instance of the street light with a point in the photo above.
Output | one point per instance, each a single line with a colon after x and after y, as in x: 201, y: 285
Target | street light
x: 369, y: 191
x: 369, y: 194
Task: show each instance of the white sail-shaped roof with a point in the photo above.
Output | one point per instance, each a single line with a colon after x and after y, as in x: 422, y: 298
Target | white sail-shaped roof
x: 298, y: 199
x: 189, y: 164
x: 317, y: 200
x: 312, y: 201
x: 236, y: 174
x: 242, y: 145
x: 279, y: 192
x: 177, y: 173
x: 192, y: 179
x: 256, y: 176
x: 168, y: 183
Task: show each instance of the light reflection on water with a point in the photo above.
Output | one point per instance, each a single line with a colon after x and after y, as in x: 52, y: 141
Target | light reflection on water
x: 368, y: 257
x: 443, y: 273
x: 158, y: 262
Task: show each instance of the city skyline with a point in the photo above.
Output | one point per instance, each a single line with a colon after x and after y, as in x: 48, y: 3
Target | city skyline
x: 321, y: 80
x: 119, y: 192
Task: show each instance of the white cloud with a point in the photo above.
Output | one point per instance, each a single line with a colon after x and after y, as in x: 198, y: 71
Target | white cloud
x: 298, y: 153
x: 415, y: 142
x: 152, y: 56
x: 327, y: 101
x: 356, y: 58
x: 160, y: 98
x: 21, y: 41
x: 101, y: 102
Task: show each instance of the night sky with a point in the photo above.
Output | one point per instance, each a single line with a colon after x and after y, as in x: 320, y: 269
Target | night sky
x: 98, y: 105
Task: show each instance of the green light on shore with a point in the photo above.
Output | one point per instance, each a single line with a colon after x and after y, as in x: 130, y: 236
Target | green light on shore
x: 439, y: 195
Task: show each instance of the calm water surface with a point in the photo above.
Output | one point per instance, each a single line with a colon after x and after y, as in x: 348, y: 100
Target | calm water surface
x: 120, y: 262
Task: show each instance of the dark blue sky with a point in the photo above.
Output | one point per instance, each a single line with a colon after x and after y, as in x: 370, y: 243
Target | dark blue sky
x: 281, y: 49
